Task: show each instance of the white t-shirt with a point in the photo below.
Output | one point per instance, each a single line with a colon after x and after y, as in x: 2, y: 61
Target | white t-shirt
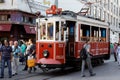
x: 118, y: 50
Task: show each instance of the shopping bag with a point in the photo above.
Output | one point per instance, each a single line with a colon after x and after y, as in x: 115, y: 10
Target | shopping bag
x: 31, y: 61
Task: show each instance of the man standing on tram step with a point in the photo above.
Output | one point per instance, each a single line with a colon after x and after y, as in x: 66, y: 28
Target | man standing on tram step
x: 87, y: 60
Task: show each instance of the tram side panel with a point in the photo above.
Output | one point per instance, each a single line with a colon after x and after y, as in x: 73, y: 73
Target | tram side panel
x: 78, y: 47
x: 98, y: 49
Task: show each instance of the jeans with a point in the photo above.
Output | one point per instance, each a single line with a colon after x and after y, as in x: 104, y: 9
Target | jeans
x: 88, y: 61
x: 0, y: 63
x: 3, y: 66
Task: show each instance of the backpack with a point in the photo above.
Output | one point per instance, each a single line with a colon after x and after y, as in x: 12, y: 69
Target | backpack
x: 83, y: 53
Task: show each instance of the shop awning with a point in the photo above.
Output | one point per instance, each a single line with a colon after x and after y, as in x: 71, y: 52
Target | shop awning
x: 30, y: 30
x: 5, y: 27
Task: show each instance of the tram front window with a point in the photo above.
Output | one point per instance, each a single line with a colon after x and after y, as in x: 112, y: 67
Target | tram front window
x: 46, y: 31
x: 43, y: 31
x: 50, y: 31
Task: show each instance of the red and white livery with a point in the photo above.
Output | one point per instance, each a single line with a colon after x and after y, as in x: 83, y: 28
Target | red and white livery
x: 61, y: 37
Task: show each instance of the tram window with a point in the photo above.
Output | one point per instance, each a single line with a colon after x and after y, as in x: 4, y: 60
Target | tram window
x: 50, y: 31
x: 71, y: 30
x: 57, y: 31
x: 43, y: 31
x: 103, y: 34
x: 84, y: 32
x: 62, y: 31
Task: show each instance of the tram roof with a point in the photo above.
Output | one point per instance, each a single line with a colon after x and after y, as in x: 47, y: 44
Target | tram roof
x: 79, y: 19
x: 56, y: 18
x: 90, y: 21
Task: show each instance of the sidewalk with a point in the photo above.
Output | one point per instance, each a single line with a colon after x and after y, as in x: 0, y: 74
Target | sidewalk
x: 21, y: 74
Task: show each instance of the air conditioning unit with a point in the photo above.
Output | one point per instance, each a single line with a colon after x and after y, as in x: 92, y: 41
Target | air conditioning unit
x: 1, y: 1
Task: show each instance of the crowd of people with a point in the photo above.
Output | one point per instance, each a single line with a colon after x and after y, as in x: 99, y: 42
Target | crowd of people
x: 15, y: 52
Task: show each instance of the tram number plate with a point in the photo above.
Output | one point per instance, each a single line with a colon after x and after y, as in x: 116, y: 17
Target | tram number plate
x: 43, y: 65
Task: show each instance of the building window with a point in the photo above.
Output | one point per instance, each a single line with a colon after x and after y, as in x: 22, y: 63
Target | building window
x: 2, y: 1
x: 117, y: 22
x: 114, y: 21
x: 108, y: 4
x: 111, y: 19
x: 114, y: 9
x: 95, y: 12
x: 111, y: 7
x: 3, y: 17
x: 8, y: 17
x: 117, y: 1
x: 99, y: 13
x: 26, y: 19
x: 34, y: 20
x: 104, y: 15
x: 23, y: 19
x: 30, y: 20
x: 108, y: 17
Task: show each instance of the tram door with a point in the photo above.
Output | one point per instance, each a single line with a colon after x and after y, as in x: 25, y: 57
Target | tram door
x: 70, y: 48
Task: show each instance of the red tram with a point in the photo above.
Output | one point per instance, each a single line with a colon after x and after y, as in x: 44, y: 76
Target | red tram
x: 61, y: 37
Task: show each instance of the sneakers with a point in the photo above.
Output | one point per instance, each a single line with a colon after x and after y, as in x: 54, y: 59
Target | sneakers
x: 83, y: 76
x: 1, y: 77
x: 14, y: 74
x: 35, y: 69
x: 93, y: 74
x: 10, y: 76
x: 24, y: 70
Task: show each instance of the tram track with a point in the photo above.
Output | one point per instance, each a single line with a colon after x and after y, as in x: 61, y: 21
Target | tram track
x: 46, y: 76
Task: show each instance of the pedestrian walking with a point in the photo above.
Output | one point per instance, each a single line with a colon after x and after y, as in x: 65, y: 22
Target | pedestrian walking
x: 15, y: 60
x: 118, y: 54
x: 11, y: 43
x: 23, y: 50
x: 0, y: 44
x: 87, y: 60
x: 6, y: 56
x: 111, y: 48
x: 26, y: 55
x: 0, y: 55
x: 115, y: 51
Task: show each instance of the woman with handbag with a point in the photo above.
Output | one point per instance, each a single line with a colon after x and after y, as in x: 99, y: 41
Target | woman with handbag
x: 32, y: 52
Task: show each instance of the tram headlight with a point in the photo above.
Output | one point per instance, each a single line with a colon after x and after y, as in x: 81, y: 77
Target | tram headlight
x: 45, y: 53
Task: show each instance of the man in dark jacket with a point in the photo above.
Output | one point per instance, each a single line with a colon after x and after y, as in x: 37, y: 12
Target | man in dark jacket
x: 5, y: 52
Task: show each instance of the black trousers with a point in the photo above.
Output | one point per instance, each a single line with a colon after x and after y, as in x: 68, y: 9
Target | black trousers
x: 26, y: 67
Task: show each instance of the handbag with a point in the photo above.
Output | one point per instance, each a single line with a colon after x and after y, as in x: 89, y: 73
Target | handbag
x: 30, y: 61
